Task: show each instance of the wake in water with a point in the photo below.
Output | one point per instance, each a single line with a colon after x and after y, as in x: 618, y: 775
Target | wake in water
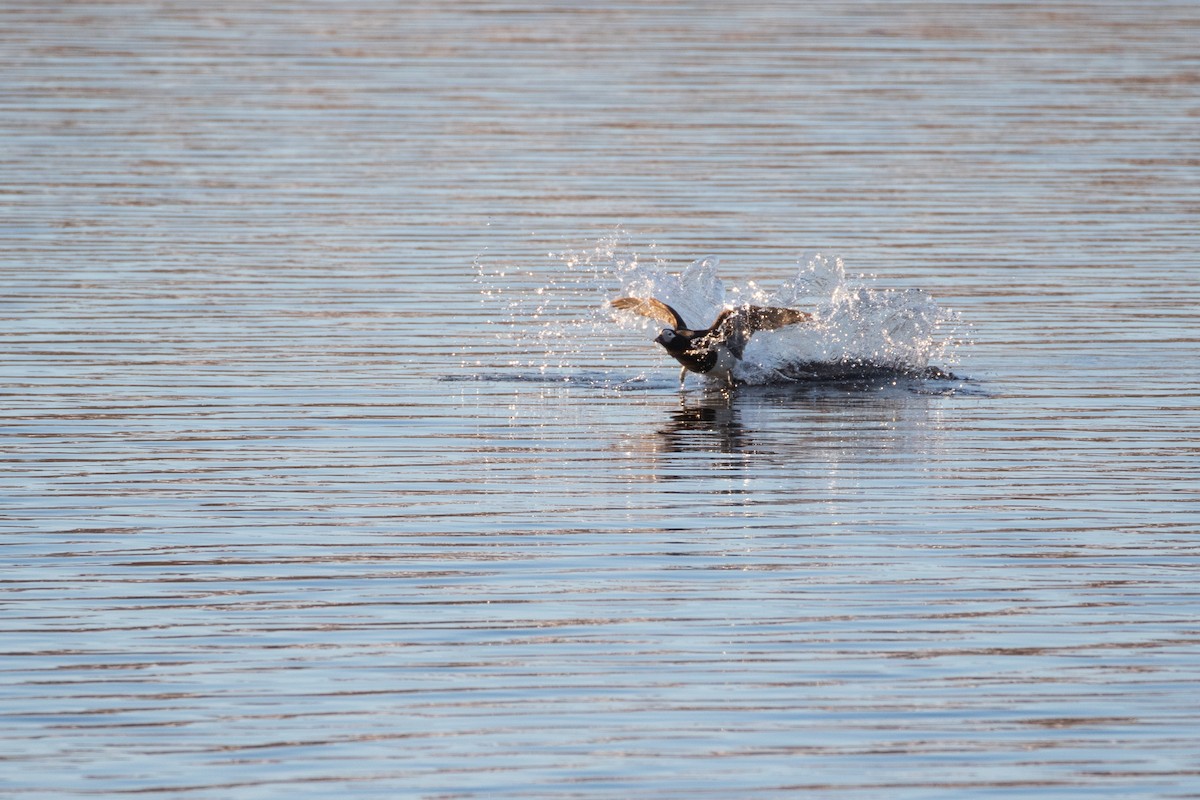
x: 856, y: 331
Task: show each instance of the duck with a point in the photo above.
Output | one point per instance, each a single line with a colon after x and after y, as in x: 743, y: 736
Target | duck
x: 713, y: 351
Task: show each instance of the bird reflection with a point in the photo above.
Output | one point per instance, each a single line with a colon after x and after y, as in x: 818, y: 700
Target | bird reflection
x: 709, y: 422
x: 781, y: 426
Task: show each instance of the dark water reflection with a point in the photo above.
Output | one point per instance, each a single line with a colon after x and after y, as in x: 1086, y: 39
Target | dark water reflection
x: 783, y: 425
x: 282, y: 514
x: 711, y: 424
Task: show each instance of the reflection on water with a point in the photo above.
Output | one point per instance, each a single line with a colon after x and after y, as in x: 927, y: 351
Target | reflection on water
x: 284, y: 512
x: 710, y: 424
x: 784, y: 424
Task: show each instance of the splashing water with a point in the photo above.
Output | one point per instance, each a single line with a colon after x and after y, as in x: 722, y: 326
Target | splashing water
x: 858, y: 331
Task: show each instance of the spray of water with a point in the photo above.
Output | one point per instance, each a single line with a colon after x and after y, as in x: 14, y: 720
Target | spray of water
x: 559, y: 324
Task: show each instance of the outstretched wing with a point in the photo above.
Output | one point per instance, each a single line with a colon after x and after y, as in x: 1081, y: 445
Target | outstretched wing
x: 649, y: 307
x: 761, y: 318
x: 734, y: 326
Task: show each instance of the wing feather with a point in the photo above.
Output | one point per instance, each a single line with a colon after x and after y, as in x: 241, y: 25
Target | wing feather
x: 650, y: 307
x: 734, y: 327
x: 761, y: 318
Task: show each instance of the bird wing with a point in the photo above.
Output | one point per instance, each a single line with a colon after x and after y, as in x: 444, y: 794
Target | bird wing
x: 734, y: 326
x: 649, y: 307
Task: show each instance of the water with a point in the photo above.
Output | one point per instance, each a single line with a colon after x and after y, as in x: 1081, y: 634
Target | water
x: 307, y: 491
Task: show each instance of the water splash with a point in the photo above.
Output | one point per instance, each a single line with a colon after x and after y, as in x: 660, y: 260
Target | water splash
x: 551, y: 320
x: 857, y: 329
x: 559, y: 324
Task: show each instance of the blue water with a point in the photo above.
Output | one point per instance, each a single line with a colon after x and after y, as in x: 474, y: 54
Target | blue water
x: 325, y: 471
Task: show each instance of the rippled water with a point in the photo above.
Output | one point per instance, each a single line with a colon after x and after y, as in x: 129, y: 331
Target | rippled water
x: 326, y: 472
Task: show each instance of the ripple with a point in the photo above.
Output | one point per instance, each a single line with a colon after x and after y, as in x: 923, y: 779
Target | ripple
x: 309, y: 491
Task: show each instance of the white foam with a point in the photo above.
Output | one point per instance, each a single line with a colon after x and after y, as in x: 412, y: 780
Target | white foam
x: 856, y: 326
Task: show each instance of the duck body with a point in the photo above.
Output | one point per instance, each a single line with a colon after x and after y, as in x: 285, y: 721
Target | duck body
x: 680, y: 345
x: 716, y: 350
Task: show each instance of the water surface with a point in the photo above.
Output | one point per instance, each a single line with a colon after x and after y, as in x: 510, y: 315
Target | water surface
x: 293, y: 507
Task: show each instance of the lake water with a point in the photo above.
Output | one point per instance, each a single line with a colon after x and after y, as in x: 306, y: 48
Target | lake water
x: 326, y: 473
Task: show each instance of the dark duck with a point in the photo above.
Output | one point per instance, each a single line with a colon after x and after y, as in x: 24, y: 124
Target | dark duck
x: 716, y: 350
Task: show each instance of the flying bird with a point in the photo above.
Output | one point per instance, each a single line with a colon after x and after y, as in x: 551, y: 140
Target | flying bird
x: 716, y: 350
